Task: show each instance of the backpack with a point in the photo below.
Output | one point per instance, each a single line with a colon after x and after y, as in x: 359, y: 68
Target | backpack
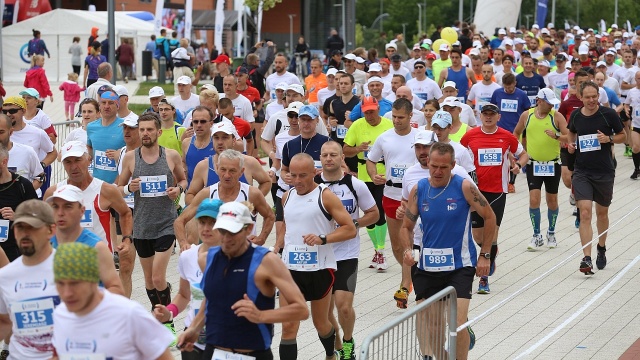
x: 35, y: 47
x: 347, y: 180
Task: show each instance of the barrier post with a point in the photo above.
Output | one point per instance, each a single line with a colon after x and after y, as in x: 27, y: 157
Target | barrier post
x: 162, y: 70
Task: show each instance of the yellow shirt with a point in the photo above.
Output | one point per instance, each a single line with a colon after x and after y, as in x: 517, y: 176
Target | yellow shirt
x: 359, y: 132
x: 313, y: 85
x: 458, y: 134
x: 170, y: 138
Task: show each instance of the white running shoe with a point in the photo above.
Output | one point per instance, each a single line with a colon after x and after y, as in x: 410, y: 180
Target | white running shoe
x: 382, y: 262
x: 374, y: 262
x: 572, y: 200
x: 551, y: 240
x: 535, y: 243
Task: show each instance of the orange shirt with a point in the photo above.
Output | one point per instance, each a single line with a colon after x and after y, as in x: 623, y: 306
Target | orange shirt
x: 313, y: 84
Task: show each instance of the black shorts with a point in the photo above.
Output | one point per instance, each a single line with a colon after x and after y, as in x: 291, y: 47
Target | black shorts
x: 551, y: 183
x: 149, y: 247
x: 277, y: 203
x: 117, y: 218
x: 260, y: 118
x: 314, y: 285
x: 427, y: 284
x: 567, y: 159
x: 497, y: 201
x: 593, y: 187
x: 346, y: 275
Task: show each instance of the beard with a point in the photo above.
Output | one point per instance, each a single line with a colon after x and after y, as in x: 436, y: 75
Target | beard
x: 28, y: 250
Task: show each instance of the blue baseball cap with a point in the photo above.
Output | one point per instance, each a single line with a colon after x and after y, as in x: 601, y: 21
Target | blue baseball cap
x: 637, y: 27
x: 442, y: 119
x: 30, y: 92
x: 110, y: 95
x: 309, y: 110
x: 209, y: 208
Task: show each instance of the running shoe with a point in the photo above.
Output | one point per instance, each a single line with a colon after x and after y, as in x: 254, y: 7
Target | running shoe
x: 401, y: 297
x: 169, y: 325
x: 116, y: 261
x: 586, y: 266
x: 4, y: 354
x: 337, y: 354
x: 374, y: 262
x: 572, y: 200
x: 483, y: 285
x: 472, y: 337
x: 511, y: 188
x: 551, y: 240
x: 348, y: 350
x: 535, y: 243
x: 627, y: 151
x: 601, y: 259
x: 635, y: 174
x: 577, y: 222
x: 575, y: 212
x: 382, y: 262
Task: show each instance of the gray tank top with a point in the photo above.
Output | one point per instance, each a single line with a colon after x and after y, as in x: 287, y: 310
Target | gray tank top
x: 155, y: 212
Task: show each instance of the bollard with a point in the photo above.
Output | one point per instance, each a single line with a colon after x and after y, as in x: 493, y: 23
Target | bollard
x: 162, y: 70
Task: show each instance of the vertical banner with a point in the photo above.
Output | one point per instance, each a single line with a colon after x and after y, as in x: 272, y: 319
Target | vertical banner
x: 188, y: 13
x: 629, y: 28
x: 542, y: 12
x: 259, y: 30
x: 603, y: 26
x: 239, y: 32
x: 219, y: 25
x: 157, y: 23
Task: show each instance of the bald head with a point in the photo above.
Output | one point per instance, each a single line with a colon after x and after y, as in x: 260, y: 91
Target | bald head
x: 404, y: 92
x: 302, y: 161
x: 5, y: 122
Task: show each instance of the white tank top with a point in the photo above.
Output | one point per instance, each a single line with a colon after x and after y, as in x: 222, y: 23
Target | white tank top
x: 129, y: 198
x: 243, y: 195
x: 95, y: 219
x: 306, y: 214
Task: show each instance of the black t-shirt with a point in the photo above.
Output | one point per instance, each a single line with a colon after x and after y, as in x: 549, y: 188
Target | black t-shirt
x: 339, y: 109
x: 325, y: 106
x: 12, y: 194
x: 605, y: 120
x: 217, y: 82
x: 308, y: 146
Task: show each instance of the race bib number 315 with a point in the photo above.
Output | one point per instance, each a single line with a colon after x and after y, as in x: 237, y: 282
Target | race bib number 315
x: 33, y: 317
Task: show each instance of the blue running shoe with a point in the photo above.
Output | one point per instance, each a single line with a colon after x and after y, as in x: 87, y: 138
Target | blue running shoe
x: 472, y: 338
x: 483, y: 285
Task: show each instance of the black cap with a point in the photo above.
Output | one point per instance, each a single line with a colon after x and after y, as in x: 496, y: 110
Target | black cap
x: 421, y: 62
x: 336, y: 52
x: 396, y: 58
x: 490, y: 107
x: 575, y: 60
x: 547, y: 51
x: 242, y: 70
x: 561, y: 57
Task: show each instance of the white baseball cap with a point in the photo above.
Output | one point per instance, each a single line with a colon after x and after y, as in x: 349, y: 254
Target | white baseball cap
x: 610, y: 52
x: 391, y: 45
x: 520, y: 41
x: 359, y: 60
x: 508, y: 42
x: 68, y: 193
x: 282, y: 86
x: 425, y: 137
x: 349, y: 57
x: 330, y: 72
x: 451, y: 101
x: 130, y: 122
x: 477, y: 44
x: 576, y: 28
x: 295, y: 106
x: 502, y: 32
x: 297, y: 88
x: 375, y: 67
x: 618, y: 46
x: 544, y: 63
x: 545, y: 31
x: 581, y: 32
x: 535, y: 26
x: 233, y: 216
x: 583, y: 50
x: 374, y: 79
x: 184, y: 80
x: 209, y: 87
x: 450, y: 84
x: 73, y: 148
x: 474, y: 51
x: 601, y: 63
x: 225, y: 127
x: 155, y: 92
x: 614, y: 26
x: 549, y: 96
x: 512, y: 30
x: 444, y: 47
x: 120, y: 90
x: 550, y: 26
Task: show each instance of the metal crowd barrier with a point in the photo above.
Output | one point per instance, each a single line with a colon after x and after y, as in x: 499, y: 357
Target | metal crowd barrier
x: 429, y: 328
x: 63, y: 129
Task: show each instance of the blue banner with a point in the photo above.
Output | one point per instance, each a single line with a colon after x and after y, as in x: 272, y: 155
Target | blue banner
x: 541, y: 13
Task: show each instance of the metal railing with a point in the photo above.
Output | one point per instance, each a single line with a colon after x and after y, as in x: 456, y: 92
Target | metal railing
x: 429, y: 328
x: 63, y: 129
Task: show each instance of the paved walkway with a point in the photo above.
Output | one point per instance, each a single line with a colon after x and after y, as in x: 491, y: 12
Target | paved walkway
x: 604, y: 330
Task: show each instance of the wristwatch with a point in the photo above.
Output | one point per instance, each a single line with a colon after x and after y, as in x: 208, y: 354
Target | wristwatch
x: 356, y: 223
x: 611, y: 138
x: 323, y: 237
x: 128, y: 237
x: 486, y: 255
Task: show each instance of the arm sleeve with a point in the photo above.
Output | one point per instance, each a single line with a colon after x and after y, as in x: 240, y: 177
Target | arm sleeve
x: 356, y: 113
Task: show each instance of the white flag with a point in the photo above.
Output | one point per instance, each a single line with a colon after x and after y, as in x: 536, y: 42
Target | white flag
x: 240, y: 32
x: 219, y: 26
x: 629, y: 26
x: 260, y: 19
x: 188, y: 18
x: 157, y: 23
x: 603, y: 26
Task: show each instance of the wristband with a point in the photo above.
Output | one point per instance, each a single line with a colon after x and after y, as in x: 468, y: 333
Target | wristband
x: 273, y: 169
x: 125, y: 190
x: 173, y: 309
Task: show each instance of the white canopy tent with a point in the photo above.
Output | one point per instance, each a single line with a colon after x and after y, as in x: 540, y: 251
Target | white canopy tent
x: 58, y: 28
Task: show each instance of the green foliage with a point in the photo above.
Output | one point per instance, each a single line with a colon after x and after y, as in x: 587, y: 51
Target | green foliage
x: 266, y: 4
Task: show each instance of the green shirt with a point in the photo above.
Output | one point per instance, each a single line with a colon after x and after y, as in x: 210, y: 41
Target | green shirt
x: 359, y: 132
x: 438, y: 66
x: 170, y: 138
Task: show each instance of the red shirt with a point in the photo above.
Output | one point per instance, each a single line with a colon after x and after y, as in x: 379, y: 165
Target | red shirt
x: 250, y: 93
x: 242, y: 127
x: 489, y: 153
x: 568, y: 106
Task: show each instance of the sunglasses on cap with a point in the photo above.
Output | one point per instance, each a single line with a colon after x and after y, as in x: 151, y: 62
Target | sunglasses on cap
x: 10, y: 111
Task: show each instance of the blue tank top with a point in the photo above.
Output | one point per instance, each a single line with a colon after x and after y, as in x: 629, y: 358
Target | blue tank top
x: 224, y: 282
x: 86, y: 237
x: 446, y: 222
x: 195, y: 155
x: 462, y: 83
x: 212, y: 176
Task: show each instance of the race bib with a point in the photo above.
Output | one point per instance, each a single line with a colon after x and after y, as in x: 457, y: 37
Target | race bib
x: 462, y: 100
x: 317, y: 164
x: 102, y: 162
x: 273, y: 95
x: 153, y: 186
x: 532, y: 99
x: 87, y: 219
x: 396, y: 173
x: 303, y: 257
x: 349, y: 205
x: 129, y: 200
x: 435, y: 260
x: 82, y: 357
x: 4, y: 230
x: 509, y: 105
x: 636, y: 113
x: 341, y: 131
x: 490, y: 157
x: 544, y: 168
x: 33, y: 317
x: 588, y: 143
x: 225, y: 355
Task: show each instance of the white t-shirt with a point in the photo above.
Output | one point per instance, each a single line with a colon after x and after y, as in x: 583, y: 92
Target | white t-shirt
x: 189, y: 270
x: 274, y: 107
x: 462, y: 156
x: 466, y: 115
x: 425, y: 89
x: 118, y: 328
x: 481, y: 94
x: 612, y: 84
x: 282, y: 138
x: 603, y: 98
x: 350, y: 249
x: 269, y: 130
x: 537, y: 54
x: 611, y: 69
x: 401, y: 71
x: 24, y: 161
x: 30, y: 287
x: 497, y: 69
x: 34, y: 137
x: 415, y: 100
x: 41, y: 120
x: 78, y: 134
x: 243, y: 108
x: 558, y: 82
x: 622, y: 74
x: 412, y: 176
x: 323, y: 95
x: 386, y: 89
x: 633, y: 99
x: 398, y: 154
x: 417, y: 118
x: 274, y: 79
x: 186, y: 105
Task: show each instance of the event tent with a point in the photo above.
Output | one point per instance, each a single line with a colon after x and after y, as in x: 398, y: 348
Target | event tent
x: 58, y: 27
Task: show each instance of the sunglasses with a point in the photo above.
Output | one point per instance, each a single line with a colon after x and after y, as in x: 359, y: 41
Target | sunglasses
x: 10, y: 111
x: 199, y: 121
x: 418, y: 67
x: 292, y: 115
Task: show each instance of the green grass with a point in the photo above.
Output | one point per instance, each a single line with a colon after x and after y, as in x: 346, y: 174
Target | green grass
x: 146, y: 85
x: 138, y: 108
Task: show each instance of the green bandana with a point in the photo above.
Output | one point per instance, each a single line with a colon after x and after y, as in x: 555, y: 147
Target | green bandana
x: 76, y: 261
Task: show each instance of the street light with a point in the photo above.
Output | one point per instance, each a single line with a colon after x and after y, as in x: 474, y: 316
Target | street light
x: 344, y: 21
x: 419, y: 19
x: 291, y: 32
x: 404, y: 37
x: 528, y: 16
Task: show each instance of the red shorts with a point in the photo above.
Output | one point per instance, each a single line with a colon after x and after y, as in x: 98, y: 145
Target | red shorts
x: 390, y: 206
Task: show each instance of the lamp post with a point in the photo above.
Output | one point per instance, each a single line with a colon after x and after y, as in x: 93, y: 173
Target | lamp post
x: 404, y: 36
x: 291, y: 33
x: 344, y: 22
x: 528, y: 16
